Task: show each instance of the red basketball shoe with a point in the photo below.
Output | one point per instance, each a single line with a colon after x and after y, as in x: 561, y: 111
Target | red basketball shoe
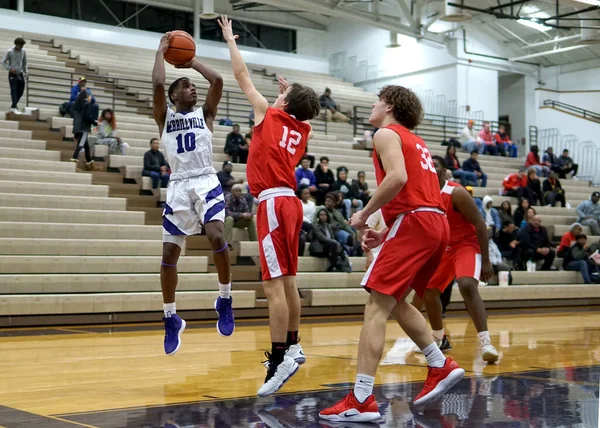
x: 348, y: 409
x: 439, y: 381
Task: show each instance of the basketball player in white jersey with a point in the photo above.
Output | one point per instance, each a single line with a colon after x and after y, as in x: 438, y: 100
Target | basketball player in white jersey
x: 194, y: 197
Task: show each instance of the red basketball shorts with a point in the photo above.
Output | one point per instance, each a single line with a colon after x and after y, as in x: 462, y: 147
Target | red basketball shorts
x: 278, y: 223
x: 459, y: 261
x: 410, y: 254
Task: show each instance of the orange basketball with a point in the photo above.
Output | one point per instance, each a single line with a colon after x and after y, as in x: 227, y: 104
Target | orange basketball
x: 182, y: 48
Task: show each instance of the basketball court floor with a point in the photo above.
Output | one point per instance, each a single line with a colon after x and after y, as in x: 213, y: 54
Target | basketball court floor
x: 118, y: 376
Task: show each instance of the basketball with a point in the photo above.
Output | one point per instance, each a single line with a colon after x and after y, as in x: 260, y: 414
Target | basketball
x: 182, y: 48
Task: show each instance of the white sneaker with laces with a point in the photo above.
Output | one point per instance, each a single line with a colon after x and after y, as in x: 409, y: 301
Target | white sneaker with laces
x: 282, y: 374
x: 488, y: 352
x: 296, y: 353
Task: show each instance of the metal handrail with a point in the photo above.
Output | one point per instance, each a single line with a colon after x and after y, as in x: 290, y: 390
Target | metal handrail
x: 586, y: 114
x: 116, y: 90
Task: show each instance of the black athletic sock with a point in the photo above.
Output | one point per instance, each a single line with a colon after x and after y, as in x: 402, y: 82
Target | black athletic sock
x: 277, y: 353
x: 292, y: 338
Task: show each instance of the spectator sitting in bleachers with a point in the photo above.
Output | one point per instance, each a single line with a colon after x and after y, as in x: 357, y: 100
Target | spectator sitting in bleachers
x: 15, y: 62
x: 226, y: 179
x: 529, y: 215
x: 569, y: 238
x: 308, y: 206
x: 589, y: 213
x: 332, y: 110
x: 155, y: 165
x: 342, y: 185
x: 236, y: 148
x: 535, y: 243
x: 533, y: 160
x: 77, y: 88
x: 508, y: 242
x: 550, y: 160
x: 577, y: 258
x: 485, y: 135
x: 566, y: 165
x: 107, y: 133
x: 496, y: 257
x: 490, y: 214
x: 238, y: 214
x: 515, y: 185
x: 84, y: 116
x: 469, y: 139
x: 472, y: 165
x: 505, y: 211
x: 505, y: 145
x: 325, y: 179
x: 305, y: 177
x: 340, y: 205
x: 553, y: 191
x: 521, y: 211
x: 344, y: 234
x: 465, y: 177
x: 360, y: 188
x: 324, y: 243
x: 533, y: 183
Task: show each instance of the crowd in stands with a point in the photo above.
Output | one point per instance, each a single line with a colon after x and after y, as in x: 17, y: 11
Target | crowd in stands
x: 469, y: 173
x: 486, y: 142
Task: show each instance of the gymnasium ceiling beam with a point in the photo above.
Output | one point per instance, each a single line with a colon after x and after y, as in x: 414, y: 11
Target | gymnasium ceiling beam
x: 326, y: 8
x: 406, y: 13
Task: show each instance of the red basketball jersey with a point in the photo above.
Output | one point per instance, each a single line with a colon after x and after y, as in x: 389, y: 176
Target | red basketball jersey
x: 461, y: 231
x: 422, y: 189
x: 278, y: 144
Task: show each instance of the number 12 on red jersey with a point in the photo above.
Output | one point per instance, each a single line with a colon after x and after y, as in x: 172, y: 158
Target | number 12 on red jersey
x: 294, y: 139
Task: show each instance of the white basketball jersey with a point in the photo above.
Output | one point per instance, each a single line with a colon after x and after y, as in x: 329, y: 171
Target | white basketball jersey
x: 188, y: 143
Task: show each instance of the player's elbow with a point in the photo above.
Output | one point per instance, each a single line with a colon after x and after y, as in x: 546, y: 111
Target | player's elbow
x: 241, y: 75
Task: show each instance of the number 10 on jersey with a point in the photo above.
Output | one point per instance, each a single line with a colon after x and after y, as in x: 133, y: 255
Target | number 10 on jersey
x: 294, y: 139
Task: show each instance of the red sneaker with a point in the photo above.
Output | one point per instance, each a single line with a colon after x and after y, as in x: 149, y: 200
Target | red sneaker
x: 348, y: 409
x: 439, y: 381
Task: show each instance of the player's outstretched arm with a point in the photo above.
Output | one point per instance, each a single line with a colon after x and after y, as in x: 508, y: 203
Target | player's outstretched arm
x: 389, y: 149
x: 464, y: 203
x: 240, y: 71
x: 158, y: 83
x: 215, y: 90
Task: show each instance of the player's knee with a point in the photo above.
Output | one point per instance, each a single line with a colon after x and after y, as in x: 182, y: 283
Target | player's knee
x: 468, y: 286
x: 171, y: 253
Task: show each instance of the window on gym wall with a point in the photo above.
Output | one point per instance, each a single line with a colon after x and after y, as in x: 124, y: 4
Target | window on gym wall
x: 254, y: 35
x: 8, y: 4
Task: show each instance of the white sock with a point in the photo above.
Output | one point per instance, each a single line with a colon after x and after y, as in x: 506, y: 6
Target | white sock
x: 363, y: 387
x: 225, y: 290
x: 169, y: 309
x: 484, y: 336
x: 438, y: 334
x: 434, y: 356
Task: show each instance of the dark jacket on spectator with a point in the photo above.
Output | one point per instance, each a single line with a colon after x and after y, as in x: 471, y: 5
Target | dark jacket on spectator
x: 504, y: 239
x: 550, y: 158
x: 234, y: 141
x: 336, y: 220
x: 565, y: 161
x: 226, y: 179
x: 574, y: 253
x: 531, y: 239
x: 471, y: 165
x: 324, y: 177
x: 83, y: 117
x: 452, y: 162
x: 345, y: 188
x: 548, y: 186
x: 359, y: 188
x: 323, y: 234
x: 154, y: 160
x: 236, y: 207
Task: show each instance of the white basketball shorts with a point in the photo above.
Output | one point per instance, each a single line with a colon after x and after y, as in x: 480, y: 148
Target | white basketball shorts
x: 191, y: 203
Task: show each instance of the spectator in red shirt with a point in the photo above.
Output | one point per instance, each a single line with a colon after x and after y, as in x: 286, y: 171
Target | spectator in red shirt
x: 516, y: 185
x: 505, y: 145
x: 533, y: 160
x: 486, y: 136
x: 569, y: 238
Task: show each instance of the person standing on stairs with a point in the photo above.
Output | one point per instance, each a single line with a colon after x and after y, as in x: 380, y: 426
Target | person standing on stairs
x: 195, y: 199
x: 15, y: 61
x: 83, y: 116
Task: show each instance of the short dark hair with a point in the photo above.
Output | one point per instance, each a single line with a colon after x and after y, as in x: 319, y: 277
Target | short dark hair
x: 302, y: 102
x: 19, y: 41
x: 582, y: 236
x: 305, y: 158
x: 324, y: 158
x: 506, y: 223
x: 441, y: 161
x: 174, y: 86
x: 360, y: 172
x: 332, y: 196
x: 475, y: 151
x: 152, y: 140
x: 406, y: 105
x: 235, y: 124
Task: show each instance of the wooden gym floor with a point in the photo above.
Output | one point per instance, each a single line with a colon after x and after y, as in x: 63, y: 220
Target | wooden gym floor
x: 118, y: 376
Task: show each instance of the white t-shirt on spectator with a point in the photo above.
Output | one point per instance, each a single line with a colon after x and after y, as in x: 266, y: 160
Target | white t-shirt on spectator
x: 308, y: 210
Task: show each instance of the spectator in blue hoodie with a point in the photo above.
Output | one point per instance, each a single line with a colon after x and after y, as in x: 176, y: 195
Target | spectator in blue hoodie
x: 77, y: 88
x: 490, y: 214
x: 472, y: 165
x: 589, y: 213
x: 305, y: 177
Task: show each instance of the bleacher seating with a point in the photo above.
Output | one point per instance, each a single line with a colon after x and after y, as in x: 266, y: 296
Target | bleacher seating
x: 76, y: 243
